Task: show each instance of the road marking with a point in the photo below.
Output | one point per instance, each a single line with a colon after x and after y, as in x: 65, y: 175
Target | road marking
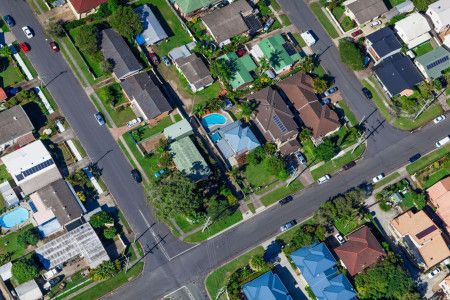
x: 188, y: 292
x: 189, y: 249
x: 163, y: 250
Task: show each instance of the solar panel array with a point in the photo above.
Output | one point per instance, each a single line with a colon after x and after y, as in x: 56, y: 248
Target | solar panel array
x: 279, y: 123
x: 34, y: 169
x: 289, y: 49
x: 438, y: 62
x: 426, y: 232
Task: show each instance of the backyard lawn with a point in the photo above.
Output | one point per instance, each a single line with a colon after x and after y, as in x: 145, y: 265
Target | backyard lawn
x: 423, y: 49
x: 316, y: 8
x: 11, y: 245
x: 12, y: 74
x: 345, y: 226
x: 120, y: 115
x: 281, y: 192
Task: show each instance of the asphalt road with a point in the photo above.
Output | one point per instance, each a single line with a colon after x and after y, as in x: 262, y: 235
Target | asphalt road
x: 167, y: 266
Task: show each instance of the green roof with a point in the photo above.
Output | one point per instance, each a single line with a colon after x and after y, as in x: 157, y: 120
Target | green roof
x: 435, y: 61
x: 276, y: 54
x: 189, y: 6
x: 188, y: 159
x: 244, y: 65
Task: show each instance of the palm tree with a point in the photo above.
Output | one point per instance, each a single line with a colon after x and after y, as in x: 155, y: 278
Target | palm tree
x: 199, y: 109
x: 247, y: 108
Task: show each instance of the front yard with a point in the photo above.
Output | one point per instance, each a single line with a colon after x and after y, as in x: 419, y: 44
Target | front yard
x: 281, y: 192
x: 427, y: 159
x: 121, y: 112
x: 10, y: 73
x: 316, y: 8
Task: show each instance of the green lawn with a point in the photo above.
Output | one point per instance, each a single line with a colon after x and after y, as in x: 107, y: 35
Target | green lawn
x: 348, y: 113
x: 347, y: 23
x: 79, y: 147
x: 423, y: 49
x: 336, y: 164
x: 149, y: 131
x: 407, y: 124
x: 111, y: 284
x: 338, y: 12
x: 319, y: 71
x: 299, y: 39
x: 275, y: 5
x: 391, y: 3
x: 345, y: 226
x: 11, y: 75
x: 281, y: 192
x: 120, y: 115
x: 3, y: 26
x: 386, y: 180
x: 76, y: 279
x: 435, y: 177
x: 427, y: 159
x: 4, y: 175
x: 9, y: 243
x: 376, y: 98
x: 316, y: 8
x: 257, y: 175
x: 93, y: 61
x: 185, y: 225
x: 285, y: 20
x: 218, y: 278
x: 215, y: 228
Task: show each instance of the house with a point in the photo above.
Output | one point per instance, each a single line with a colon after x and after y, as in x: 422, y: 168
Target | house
x: 321, y: 119
x: 445, y: 286
x: 181, y: 51
x: 235, y: 140
x: 116, y: 50
x: 6, y: 271
x: 195, y: 71
x: 244, y: 69
x: 29, y: 291
x: 266, y: 286
x: 152, y: 31
x: 382, y: 43
x: 54, y: 207
x: 15, y: 128
x: 82, y: 8
x: 3, y: 95
x: 280, y: 53
x: 413, y: 30
x: 318, y: 267
x: 178, y: 130
x: 398, y: 75
x: 143, y: 91
x: 81, y: 241
x: 32, y: 167
x: 439, y: 13
x: 189, y: 160
x: 363, y: 11
x: 439, y: 198
x: 189, y: 8
x: 422, y: 238
x: 433, y: 63
x: 226, y: 22
x: 275, y: 120
x: 401, y: 8
x: 360, y: 251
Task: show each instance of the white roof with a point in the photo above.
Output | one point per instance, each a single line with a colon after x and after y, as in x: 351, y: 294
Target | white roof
x: 5, y: 271
x: 29, y: 291
x: 412, y: 27
x: 442, y: 9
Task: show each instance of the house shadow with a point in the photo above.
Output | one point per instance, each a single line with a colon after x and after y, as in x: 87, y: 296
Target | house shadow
x: 34, y: 112
x: 57, y: 155
x: 289, y: 282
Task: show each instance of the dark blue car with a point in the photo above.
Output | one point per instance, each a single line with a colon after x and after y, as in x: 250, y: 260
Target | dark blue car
x: 9, y: 20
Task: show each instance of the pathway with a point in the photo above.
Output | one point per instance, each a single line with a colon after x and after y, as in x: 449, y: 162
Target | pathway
x: 442, y: 98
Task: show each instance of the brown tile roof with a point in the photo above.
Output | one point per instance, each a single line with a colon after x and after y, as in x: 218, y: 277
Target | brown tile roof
x: 3, y: 95
x: 439, y: 195
x: 82, y: 6
x: 274, y: 115
x: 300, y: 91
x: 360, y: 251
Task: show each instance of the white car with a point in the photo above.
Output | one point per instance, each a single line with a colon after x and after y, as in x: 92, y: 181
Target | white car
x: 378, y: 178
x: 433, y: 273
x: 339, y: 238
x: 27, y: 32
x: 308, y: 38
x: 439, y: 119
x: 442, y: 142
x: 134, y: 122
x: 375, y: 23
x: 323, y: 179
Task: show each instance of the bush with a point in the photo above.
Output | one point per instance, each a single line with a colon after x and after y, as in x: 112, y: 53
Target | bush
x: 105, y: 270
x: 257, y: 263
x: 24, y: 270
x: 109, y: 233
x: 74, y: 24
x: 101, y: 218
x: 384, y: 206
x: 87, y: 39
x: 351, y: 55
x: 28, y: 237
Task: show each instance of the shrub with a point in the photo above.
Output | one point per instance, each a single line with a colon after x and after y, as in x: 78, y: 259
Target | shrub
x: 28, y: 237
x: 101, y: 218
x: 351, y: 55
x: 24, y: 270
x: 109, y: 233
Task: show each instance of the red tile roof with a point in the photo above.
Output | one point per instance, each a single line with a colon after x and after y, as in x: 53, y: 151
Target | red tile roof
x: 83, y: 6
x: 3, y: 95
x: 360, y: 251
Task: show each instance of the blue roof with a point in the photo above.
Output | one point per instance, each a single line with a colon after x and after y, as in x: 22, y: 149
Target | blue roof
x: 236, y: 139
x: 318, y: 267
x: 268, y: 287
x: 152, y: 32
x: 49, y: 227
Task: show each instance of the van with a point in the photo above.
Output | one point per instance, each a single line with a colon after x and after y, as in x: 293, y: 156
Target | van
x: 442, y: 142
x: 323, y: 179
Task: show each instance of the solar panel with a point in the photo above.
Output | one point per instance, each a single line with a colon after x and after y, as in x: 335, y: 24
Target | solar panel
x: 19, y: 177
x: 437, y: 62
x: 278, y: 122
x: 289, y: 48
x: 426, y: 232
x: 35, y: 169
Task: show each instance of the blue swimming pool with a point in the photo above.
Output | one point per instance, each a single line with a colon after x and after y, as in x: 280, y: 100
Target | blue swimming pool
x: 14, y: 218
x: 213, y: 119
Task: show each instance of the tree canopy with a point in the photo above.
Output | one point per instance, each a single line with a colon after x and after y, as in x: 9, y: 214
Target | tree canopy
x: 28, y: 237
x: 422, y: 5
x: 351, y: 55
x: 223, y: 69
x: 24, y: 271
x: 126, y: 21
x: 87, y: 39
x: 106, y: 269
x: 101, y: 218
x: 326, y: 150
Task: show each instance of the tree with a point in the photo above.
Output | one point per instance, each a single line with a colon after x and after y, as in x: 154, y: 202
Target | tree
x: 5, y: 257
x: 24, y: 270
x: 351, y: 55
x: 98, y: 220
x: 437, y: 84
x: 56, y: 29
x: 5, y: 51
x: 305, y: 134
x: 217, y: 208
x: 422, y: 5
x: 270, y: 148
x: 257, y: 263
x: 105, y: 270
x: 87, y: 39
x: 263, y: 65
x: 223, y: 69
x: 215, y: 104
x: 326, y: 150
x: 275, y: 166
x: 109, y: 233
x: 103, y: 11
x: 113, y: 5
x: 81, y: 196
x: 199, y: 108
x: 107, y: 65
x: 165, y: 160
x: 126, y: 21
x: 28, y: 237
x: 320, y: 85
x: 255, y: 156
x: 162, y: 145
x: 308, y: 64
x: 247, y: 108
x: 304, y: 236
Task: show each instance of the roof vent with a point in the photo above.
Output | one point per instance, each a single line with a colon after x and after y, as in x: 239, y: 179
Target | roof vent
x: 15, y: 118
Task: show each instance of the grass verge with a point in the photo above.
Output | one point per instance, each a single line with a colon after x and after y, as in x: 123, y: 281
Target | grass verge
x: 316, y: 8
x: 427, y: 159
x: 386, y: 180
x: 281, y: 192
x: 407, y: 124
x: 348, y: 113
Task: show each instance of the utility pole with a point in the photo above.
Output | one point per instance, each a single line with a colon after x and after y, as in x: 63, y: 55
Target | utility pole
x: 207, y: 223
x: 429, y: 101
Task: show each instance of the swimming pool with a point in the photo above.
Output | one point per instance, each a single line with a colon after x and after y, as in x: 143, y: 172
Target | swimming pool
x: 14, y: 218
x: 213, y: 119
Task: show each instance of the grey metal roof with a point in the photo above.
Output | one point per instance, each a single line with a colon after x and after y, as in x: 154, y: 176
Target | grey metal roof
x: 116, y: 49
x: 236, y: 139
x: 14, y: 123
x: 366, y: 10
x: 435, y: 62
x: 28, y: 291
x: 195, y: 71
x: 152, y: 32
x: 384, y: 41
x: 179, y: 52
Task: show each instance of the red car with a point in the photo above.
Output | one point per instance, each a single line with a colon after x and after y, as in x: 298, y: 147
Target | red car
x: 24, y: 47
x: 356, y: 33
x: 154, y: 58
x: 54, y: 46
x: 241, y: 52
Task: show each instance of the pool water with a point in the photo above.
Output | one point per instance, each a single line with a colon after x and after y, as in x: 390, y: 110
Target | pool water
x: 14, y: 218
x: 213, y: 119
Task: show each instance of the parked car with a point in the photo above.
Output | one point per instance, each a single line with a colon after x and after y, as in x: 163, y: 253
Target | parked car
x: 414, y: 157
x: 154, y: 58
x: 288, y: 225
x: 367, y: 93
x: 377, y: 178
x: 375, y: 23
x: 166, y: 60
x: 442, y: 142
x: 268, y: 24
x: 330, y: 91
x: 286, y: 200
x: 433, y: 273
x: 309, y: 38
x: 9, y: 20
x: 349, y: 165
x: 439, y: 119
x: 241, y: 52
x: 356, y: 33
x: 300, y: 157
x: 52, y: 282
x: 54, y: 46
x: 339, y: 238
x: 50, y: 274
x: 136, y: 175
x: 27, y: 31
x: 99, y: 118
x: 323, y: 179
x: 133, y: 122
x: 11, y: 91
x: 24, y: 47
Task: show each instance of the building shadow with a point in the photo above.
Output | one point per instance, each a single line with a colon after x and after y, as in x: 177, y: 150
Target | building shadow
x: 289, y: 282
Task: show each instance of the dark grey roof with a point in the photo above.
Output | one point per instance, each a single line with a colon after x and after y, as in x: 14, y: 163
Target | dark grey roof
x: 195, y: 71
x: 398, y: 73
x: 14, y: 123
x: 116, y: 49
x: 384, y: 41
x: 143, y: 88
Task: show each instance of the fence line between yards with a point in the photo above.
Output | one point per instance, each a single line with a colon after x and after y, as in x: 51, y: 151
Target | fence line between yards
x: 44, y: 100
x: 22, y: 65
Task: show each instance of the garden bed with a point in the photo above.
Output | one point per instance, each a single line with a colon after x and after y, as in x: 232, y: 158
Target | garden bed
x: 434, y: 172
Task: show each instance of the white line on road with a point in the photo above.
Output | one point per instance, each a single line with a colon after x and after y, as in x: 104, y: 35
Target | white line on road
x: 188, y: 292
x: 163, y: 250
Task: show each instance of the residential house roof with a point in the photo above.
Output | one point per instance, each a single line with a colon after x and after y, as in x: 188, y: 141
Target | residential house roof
x: 179, y: 129
x: 384, y: 41
x: 29, y: 291
x: 441, y: 10
x: 274, y: 115
x: 14, y: 123
x: 243, y: 67
x: 83, y: 6
x: 318, y: 267
x: 366, y: 10
x: 152, y: 31
x: 267, y: 286
x: 236, y: 139
x: 299, y: 88
x: 361, y: 250
x: 6, y: 271
x: 398, y: 73
x: 424, y: 235
x: 188, y: 159
x: 195, y: 71
x: 143, y: 88
x: 189, y: 6
x: 435, y: 61
x: 3, y: 95
x: 116, y: 49
x: 226, y: 22
x: 178, y: 52
x: 413, y: 29
x: 439, y: 196
x: 279, y: 52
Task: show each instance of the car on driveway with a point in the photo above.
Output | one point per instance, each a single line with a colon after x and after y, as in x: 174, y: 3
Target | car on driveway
x: 133, y: 122
x: 378, y: 178
x: 27, y: 31
x: 356, y: 33
x: 367, y: 93
x: 375, y: 23
x: 330, y: 91
x: 288, y: 225
x: 323, y: 179
x: 286, y: 200
x: 439, y: 119
x: 136, y: 175
x: 339, y: 238
x: 24, y: 47
x: 433, y: 273
x: 9, y: 20
x: 154, y: 58
x: 54, y: 46
x: 99, y: 118
x: 300, y: 157
x: 166, y: 60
